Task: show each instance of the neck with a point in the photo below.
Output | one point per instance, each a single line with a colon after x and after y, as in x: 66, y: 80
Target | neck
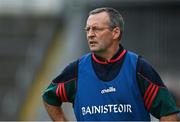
x: 108, y: 54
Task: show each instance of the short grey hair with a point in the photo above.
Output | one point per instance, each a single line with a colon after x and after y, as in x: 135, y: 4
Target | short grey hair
x: 116, y: 19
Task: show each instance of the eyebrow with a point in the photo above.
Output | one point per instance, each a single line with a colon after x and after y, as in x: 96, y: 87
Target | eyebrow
x: 91, y: 26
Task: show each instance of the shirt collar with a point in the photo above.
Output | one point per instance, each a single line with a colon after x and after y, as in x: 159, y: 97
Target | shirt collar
x: 119, y: 54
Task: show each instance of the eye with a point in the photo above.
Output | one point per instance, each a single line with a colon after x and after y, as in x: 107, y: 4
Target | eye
x: 87, y: 29
x: 95, y: 29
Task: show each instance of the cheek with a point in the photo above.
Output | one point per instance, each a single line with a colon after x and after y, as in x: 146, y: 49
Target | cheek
x: 102, y: 37
x: 107, y: 35
x: 105, y: 39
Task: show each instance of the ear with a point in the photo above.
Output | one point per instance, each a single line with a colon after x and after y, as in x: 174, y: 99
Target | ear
x: 116, y: 33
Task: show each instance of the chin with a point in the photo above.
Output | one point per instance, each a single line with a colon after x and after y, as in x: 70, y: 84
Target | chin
x: 94, y: 50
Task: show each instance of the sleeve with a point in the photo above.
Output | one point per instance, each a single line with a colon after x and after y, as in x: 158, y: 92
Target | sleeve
x: 63, y: 87
x: 157, y: 98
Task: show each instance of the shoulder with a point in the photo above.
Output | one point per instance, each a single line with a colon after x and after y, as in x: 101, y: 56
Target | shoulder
x: 64, y: 85
x: 157, y: 98
x: 132, y: 56
x: 147, y: 71
x: 69, y: 73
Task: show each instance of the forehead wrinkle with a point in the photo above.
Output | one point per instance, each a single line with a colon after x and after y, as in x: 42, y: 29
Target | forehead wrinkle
x: 98, y: 19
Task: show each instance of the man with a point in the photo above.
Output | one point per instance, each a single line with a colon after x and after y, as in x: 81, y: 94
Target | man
x: 110, y: 83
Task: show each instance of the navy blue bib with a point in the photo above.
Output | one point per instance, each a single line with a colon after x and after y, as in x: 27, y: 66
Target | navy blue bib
x: 115, y: 100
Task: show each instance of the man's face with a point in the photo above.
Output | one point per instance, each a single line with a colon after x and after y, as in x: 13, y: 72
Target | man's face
x: 99, y: 35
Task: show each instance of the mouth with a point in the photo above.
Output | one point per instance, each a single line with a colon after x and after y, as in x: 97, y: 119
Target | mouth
x: 92, y: 43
